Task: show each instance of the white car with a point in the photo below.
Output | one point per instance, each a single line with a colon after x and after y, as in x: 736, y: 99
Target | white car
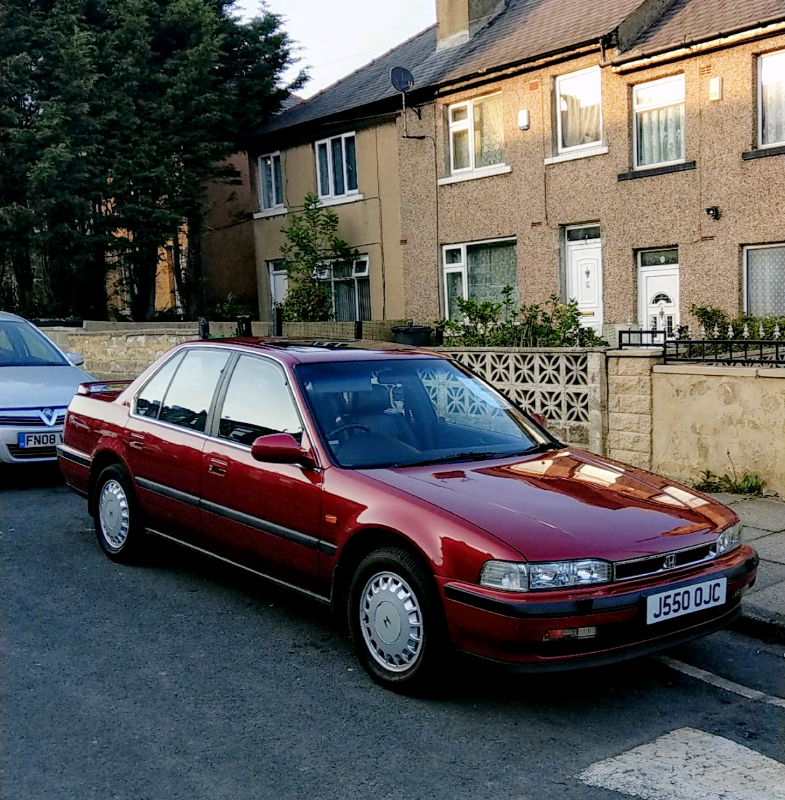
x: 37, y: 381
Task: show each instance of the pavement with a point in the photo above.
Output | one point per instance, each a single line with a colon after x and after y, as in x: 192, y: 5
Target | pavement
x: 763, y: 607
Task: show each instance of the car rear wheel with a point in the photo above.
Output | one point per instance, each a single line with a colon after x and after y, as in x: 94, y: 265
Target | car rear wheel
x: 395, y: 620
x: 116, y: 516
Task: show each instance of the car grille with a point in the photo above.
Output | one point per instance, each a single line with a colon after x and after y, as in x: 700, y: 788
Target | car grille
x: 27, y: 418
x: 24, y: 454
x: 676, y: 559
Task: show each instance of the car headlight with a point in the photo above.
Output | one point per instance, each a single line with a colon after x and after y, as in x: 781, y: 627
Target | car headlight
x: 729, y: 539
x: 517, y: 577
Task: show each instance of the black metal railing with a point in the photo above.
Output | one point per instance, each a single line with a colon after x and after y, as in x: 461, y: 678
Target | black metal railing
x: 739, y: 351
x: 726, y: 352
x: 640, y: 338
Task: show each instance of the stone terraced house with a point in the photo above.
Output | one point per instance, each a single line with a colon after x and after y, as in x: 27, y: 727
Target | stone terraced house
x: 627, y: 154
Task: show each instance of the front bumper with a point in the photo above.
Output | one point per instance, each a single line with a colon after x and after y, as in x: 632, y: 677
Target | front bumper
x: 510, y: 629
x: 12, y: 453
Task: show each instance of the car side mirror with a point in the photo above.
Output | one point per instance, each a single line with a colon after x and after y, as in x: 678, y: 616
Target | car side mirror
x: 281, y: 448
x: 75, y: 358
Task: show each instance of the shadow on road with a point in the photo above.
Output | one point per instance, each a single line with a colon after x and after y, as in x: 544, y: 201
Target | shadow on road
x: 30, y: 476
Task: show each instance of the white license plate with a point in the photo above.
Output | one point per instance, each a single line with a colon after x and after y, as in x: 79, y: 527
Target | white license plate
x: 687, y: 600
x: 29, y: 441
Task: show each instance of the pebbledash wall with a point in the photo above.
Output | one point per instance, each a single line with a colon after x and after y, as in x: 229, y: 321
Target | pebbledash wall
x: 623, y: 404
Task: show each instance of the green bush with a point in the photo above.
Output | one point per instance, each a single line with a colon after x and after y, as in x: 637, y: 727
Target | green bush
x: 710, y: 318
x: 307, y: 301
x: 501, y: 324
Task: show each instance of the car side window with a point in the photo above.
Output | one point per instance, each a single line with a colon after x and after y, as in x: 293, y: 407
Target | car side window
x: 191, y: 391
x: 150, y: 399
x: 258, y: 402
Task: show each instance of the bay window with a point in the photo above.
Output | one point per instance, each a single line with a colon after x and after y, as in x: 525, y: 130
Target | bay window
x: 350, y: 286
x: 478, y: 271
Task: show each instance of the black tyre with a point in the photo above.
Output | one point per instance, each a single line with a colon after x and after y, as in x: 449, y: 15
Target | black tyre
x: 117, y: 522
x: 396, y: 621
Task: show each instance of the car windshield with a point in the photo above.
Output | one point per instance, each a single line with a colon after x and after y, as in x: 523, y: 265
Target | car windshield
x: 412, y: 412
x: 21, y: 345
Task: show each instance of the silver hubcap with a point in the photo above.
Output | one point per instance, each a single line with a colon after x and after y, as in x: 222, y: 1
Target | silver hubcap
x: 391, y: 622
x: 113, y: 514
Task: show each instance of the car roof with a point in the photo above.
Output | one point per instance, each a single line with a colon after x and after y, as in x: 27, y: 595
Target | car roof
x: 6, y: 315
x: 323, y: 350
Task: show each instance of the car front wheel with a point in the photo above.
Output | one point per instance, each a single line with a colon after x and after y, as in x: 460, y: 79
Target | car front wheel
x: 116, y: 516
x: 395, y: 620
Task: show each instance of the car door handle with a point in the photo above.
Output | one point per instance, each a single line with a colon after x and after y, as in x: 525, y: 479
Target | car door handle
x: 136, y: 440
x: 217, y: 467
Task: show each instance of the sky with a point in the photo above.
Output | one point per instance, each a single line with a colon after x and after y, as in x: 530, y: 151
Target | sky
x: 338, y: 36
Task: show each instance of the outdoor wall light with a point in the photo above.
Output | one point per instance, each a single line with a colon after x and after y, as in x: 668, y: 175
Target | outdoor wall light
x: 523, y: 119
x: 713, y: 212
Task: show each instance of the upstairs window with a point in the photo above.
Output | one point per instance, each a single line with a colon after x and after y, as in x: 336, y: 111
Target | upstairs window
x: 579, y: 110
x: 336, y: 166
x: 771, y: 100
x: 476, y: 139
x: 270, y: 182
x: 658, y: 108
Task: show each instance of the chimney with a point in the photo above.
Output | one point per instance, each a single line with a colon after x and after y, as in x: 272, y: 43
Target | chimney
x: 459, y: 20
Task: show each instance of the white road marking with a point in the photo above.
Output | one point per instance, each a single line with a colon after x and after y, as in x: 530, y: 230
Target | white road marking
x: 721, y: 683
x: 688, y: 764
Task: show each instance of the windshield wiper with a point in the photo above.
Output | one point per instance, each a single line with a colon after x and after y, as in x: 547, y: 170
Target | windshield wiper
x: 543, y: 447
x: 452, y: 458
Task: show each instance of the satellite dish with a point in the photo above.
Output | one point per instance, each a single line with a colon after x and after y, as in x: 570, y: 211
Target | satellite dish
x: 401, y: 79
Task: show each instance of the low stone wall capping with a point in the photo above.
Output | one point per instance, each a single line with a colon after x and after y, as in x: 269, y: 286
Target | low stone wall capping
x: 677, y: 420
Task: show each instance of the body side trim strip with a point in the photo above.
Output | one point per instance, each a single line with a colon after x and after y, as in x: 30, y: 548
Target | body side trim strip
x: 318, y: 597
x: 167, y: 491
x: 71, y: 454
x: 260, y: 524
x: 291, y: 535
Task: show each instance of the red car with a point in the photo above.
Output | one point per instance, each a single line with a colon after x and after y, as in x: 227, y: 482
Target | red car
x: 395, y: 486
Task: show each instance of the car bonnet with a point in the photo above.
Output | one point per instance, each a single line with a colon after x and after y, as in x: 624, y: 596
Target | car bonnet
x: 567, y: 504
x: 39, y: 387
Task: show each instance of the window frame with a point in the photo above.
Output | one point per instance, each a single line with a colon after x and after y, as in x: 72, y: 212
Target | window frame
x: 745, y: 278
x: 223, y: 392
x: 327, y: 277
x: 650, y: 106
x: 557, y: 96
x: 331, y: 195
x: 759, y: 79
x: 260, y: 166
x: 468, y: 125
x: 463, y: 266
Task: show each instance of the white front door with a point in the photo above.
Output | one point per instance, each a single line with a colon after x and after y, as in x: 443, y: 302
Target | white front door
x: 584, y: 275
x: 658, y: 298
x: 279, y: 283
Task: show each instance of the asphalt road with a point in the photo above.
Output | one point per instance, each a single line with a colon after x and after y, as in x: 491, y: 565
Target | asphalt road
x: 186, y: 679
